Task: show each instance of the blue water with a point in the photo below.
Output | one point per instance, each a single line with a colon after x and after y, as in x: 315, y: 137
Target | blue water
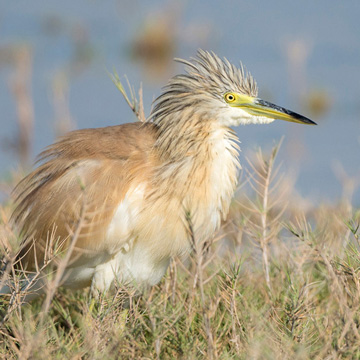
x: 255, y: 32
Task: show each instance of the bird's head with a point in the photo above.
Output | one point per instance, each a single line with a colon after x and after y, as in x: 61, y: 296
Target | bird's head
x: 217, y: 89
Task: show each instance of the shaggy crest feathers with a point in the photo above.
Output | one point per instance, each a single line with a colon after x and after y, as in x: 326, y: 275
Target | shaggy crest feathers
x: 207, y: 77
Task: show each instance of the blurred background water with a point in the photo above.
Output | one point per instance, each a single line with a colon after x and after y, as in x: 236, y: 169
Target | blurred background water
x: 55, y: 55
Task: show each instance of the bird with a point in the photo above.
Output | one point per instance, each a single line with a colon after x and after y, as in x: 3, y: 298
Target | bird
x: 119, y: 199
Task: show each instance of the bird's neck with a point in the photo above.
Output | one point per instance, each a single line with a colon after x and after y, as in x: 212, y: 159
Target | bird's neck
x: 190, y: 134
x: 199, y: 163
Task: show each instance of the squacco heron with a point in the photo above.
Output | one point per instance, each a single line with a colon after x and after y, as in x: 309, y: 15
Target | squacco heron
x: 119, y: 198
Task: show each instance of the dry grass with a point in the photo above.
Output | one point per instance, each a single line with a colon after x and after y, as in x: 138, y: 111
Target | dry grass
x: 229, y: 300
x: 279, y: 281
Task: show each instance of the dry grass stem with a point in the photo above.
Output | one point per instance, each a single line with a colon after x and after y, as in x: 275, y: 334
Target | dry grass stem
x: 136, y: 105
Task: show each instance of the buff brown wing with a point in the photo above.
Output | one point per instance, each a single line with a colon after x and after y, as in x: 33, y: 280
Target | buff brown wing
x: 76, y: 191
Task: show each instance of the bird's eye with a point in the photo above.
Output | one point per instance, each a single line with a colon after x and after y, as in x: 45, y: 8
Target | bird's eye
x: 229, y: 97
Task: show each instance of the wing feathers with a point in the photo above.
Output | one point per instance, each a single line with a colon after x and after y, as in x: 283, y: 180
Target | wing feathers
x: 82, y: 179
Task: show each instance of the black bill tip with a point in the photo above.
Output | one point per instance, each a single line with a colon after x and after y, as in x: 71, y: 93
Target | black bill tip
x: 285, y: 114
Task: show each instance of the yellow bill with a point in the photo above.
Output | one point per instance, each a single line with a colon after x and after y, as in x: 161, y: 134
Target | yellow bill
x: 258, y: 107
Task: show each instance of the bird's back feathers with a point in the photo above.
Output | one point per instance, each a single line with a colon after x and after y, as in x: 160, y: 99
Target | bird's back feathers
x: 86, y: 172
